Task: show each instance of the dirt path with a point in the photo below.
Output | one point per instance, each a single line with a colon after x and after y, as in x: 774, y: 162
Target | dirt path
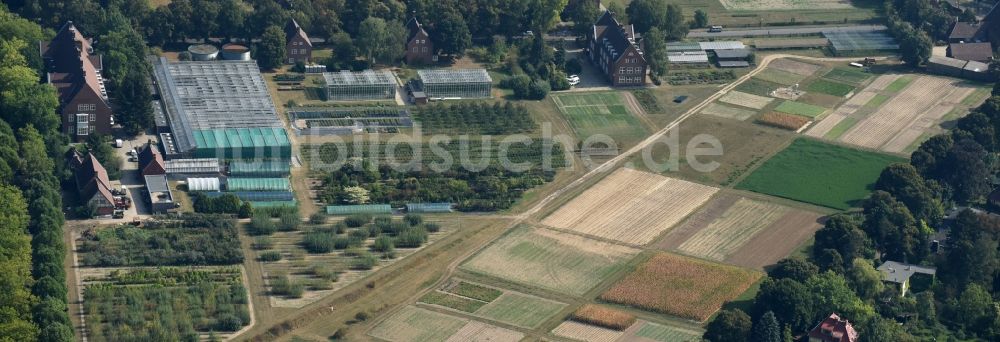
x: 636, y: 107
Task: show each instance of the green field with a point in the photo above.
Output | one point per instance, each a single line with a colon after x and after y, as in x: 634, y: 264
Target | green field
x: 799, y: 108
x: 830, y: 87
x: 452, y: 301
x: 780, y: 76
x: 664, y: 333
x: 416, y: 324
x: 877, y: 101
x: 758, y: 87
x: 841, y: 128
x: 847, y: 75
x: 600, y: 113
x: 899, y: 84
x: 520, y: 310
x: 815, y: 172
x: 977, y: 97
x: 550, y: 260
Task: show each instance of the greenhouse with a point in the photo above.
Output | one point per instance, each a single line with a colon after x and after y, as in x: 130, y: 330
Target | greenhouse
x: 456, y: 83
x: 358, y: 209
x: 258, y: 184
x: 850, y: 43
x: 361, y: 85
x: 428, y: 207
x: 203, y: 184
x: 243, y: 143
x: 263, y: 168
x: 257, y: 196
x: 272, y: 204
x: 193, y: 166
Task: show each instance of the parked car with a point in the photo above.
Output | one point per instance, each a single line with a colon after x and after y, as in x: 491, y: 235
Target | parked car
x: 573, y: 78
x: 118, y: 143
x: 715, y: 28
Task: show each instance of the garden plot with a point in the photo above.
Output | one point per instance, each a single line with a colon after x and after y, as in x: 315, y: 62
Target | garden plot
x: 774, y: 5
x: 416, y: 324
x: 908, y: 115
x: 799, y: 108
x: 849, y: 108
x: 504, y: 306
x: 631, y: 206
x: 649, y: 331
x: 795, y: 67
x: 746, y: 100
x: 728, y: 112
x: 550, y: 260
x: 681, y: 286
x: 585, y: 332
x: 780, y: 76
x: 742, y: 232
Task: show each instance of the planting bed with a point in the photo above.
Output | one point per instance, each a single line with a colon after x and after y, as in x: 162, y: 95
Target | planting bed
x: 630, y: 206
x: 746, y: 100
x: 799, y: 108
x: 550, y: 260
x: 780, y: 76
x: 847, y: 75
x: 783, y: 121
x: 773, y: 5
x: 830, y: 87
x: 419, y: 325
x: 681, y: 286
x: 724, y: 111
x: 795, y: 67
x: 662, y: 333
x: 604, y: 317
x: 502, y: 306
x: 584, y: 332
x: 600, y: 113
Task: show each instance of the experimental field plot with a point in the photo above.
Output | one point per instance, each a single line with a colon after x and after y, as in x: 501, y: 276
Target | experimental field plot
x: 630, y: 206
x: 550, y: 260
x: 742, y: 232
x: 724, y: 111
x: 419, y: 325
x: 746, y: 100
x: 600, y: 113
x: 815, y: 172
x: 503, y: 306
x: 585, y: 332
x: 774, y: 5
x: 795, y: 67
x: 681, y: 286
x: 776, y: 75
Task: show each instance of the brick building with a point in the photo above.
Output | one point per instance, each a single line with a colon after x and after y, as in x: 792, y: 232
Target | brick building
x: 614, y: 50
x: 298, y: 48
x: 419, y: 48
x: 75, y: 71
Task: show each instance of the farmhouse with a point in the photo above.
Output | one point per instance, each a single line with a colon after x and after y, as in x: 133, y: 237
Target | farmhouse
x: 75, y: 71
x: 899, y: 274
x: 360, y: 85
x: 298, y: 48
x: 455, y: 83
x: 92, y: 183
x: 419, y: 48
x: 833, y: 329
x: 613, y: 49
x: 150, y: 160
x: 979, y: 52
x: 219, y: 109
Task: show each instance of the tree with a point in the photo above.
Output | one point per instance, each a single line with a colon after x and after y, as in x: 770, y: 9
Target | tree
x: 793, y: 268
x: 450, y: 34
x: 381, y: 40
x: 583, y: 15
x: 969, y: 175
x: 232, y: 15
x: 914, y: 45
x: 205, y: 18
x: 616, y: 8
x: 656, y: 52
x: 731, y: 325
x: 865, y: 279
x: 841, y: 234
x: 880, y: 329
x: 905, y: 183
x: 893, y: 229
x: 24, y: 101
x: 974, y: 307
x: 789, y: 300
x: 644, y: 15
x: 931, y: 156
x: 971, y: 256
x: 15, y: 295
x: 134, y: 99
x: 355, y: 195
x: 271, y: 49
x: 674, y: 25
x: 700, y: 18
x: 343, y: 48
x: 830, y: 293
x: 766, y: 329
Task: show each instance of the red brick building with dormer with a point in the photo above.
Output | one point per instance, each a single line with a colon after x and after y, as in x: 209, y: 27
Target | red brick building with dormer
x: 298, y: 48
x: 419, y: 48
x: 614, y: 50
x: 75, y: 71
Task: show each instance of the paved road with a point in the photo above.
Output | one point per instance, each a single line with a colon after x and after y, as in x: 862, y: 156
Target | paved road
x: 783, y: 31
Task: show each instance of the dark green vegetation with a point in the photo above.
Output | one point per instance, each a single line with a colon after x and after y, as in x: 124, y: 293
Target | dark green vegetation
x: 225, y: 204
x: 191, y: 240
x: 452, y: 301
x: 847, y: 75
x: 898, y: 222
x: 474, y: 118
x: 917, y: 24
x: 485, y: 186
x: 819, y: 173
x: 356, y: 230
x: 166, y: 304
x: 829, y: 87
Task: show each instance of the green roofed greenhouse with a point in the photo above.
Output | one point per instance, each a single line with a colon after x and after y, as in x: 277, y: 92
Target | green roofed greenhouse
x: 242, y: 143
x: 358, y: 209
x: 265, y: 168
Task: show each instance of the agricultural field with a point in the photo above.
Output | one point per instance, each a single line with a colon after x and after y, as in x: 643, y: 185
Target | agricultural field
x: 724, y: 111
x: 752, y: 13
x: 663, y: 333
x: 550, y: 260
x: 420, y: 325
x: 585, y: 332
x: 503, y: 306
x: 681, y: 286
x: 846, y: 75
x: 630, y: 206
x: 194, y: 240
x: 796, y: 67
x: 824, y: 86
x: 774, y: 5
x: 746, y: 100
x: 601, y: 113
x: 317, y: 260
x: 799, y: 108
x: 776, y: 75
x: 475, y: 118
x: 815, y: 172
x: 742, y: 232
x: 784, y: 121
x: 897, y: 115
x: 744, y: 144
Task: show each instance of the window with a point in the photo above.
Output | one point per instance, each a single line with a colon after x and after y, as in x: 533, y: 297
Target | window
x: 621, y: 70
x: 86, y: 107
x: 72, y: 118
x: 82, y: 126
x: 423, y: 49
x: 93, y: 117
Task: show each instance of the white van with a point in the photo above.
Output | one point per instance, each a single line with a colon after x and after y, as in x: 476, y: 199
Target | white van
x: 715, y: 28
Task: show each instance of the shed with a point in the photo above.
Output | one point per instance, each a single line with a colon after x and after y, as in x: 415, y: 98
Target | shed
x: 358, y: 209
x: 688, y: 57
x: 198, y: 166
x: 456, y: 83
x: 160, y: 198
x: 683, y: 47
x: 732, y: 55
x: 722, y: 45
x: 360, y: 85
x: 946, y: 66
x: 203, y: 184
x: 980, y: 52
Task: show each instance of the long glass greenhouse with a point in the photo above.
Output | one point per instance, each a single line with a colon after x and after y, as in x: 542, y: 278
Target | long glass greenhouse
x: 428, y: 207
x: 456, y: 83
x: 358, y: 209
x: 361, y: 85
x: 258, y: 184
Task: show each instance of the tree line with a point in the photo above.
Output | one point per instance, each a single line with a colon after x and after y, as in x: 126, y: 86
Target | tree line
x: 898, y: 223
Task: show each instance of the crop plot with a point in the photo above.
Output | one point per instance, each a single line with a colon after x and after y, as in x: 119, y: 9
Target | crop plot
x: 600, y: 113
x: 551, y: 260
x: 795, y: 67
x: 663, y: 333
x: 758, y: 86
x: 728, y: 112
x: 631, y: 206
x: 746, y: 100
x: 681, y: 286
x: 847, y: 75
x: 830, y: 87
x: 854, y: 106
x: 499, y: 305
x: 784, y: 121
x: 742, y: 232
x: 769, y: 5
x: 416, y: 324
x: 584, y: 332
x: 780, y: 76
x: 814, y: 172
x: 799, y: 108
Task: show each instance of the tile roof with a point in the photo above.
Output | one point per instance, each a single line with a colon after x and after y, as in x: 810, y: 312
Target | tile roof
x: 963, y: 30
x: 92, y: 178
x: 971, y: 51
x: 834, y: 329
x: 292, y: 30
x: 71, y: 66
x: 414, y: 26
x: 615, y: 36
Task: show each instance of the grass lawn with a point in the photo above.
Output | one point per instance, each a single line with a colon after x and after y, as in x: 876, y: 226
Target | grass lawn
x: 521, y: 310
x: 847, y: 75
x: 977, y: 97
x: 841, y: 128
x: 819, y: 173
x: 600, y: 113
x: 780, y: 76
x: 758, y: 86
x: 830, y: 87
x: 899, y: 84
x: 799, y: 108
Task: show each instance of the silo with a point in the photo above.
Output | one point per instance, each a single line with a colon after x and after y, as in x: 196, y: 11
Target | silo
x: 203, y: 52
x: 235, y: 52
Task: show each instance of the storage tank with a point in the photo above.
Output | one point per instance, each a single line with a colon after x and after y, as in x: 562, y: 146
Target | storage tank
x: 235, y: 52
x: 203, y: 52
